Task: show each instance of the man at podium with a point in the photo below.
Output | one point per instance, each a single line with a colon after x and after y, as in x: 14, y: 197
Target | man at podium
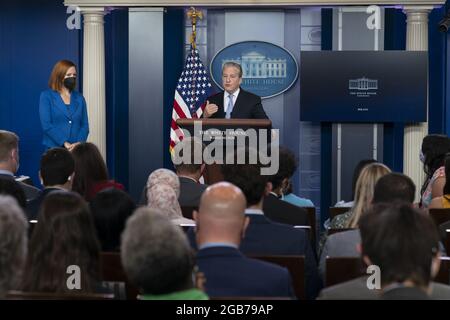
x: 234, y: 102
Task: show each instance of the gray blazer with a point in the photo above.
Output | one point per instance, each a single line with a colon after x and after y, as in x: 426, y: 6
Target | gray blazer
x: 341, y: 244
x: 356, y: 289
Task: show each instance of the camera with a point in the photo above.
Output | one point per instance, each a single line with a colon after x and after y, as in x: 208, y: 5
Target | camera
x: 444, y: 24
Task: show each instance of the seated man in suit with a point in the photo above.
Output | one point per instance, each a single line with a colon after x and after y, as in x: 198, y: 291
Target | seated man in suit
x: 56, y: 173
x: 391, y: 188
x: 276, y: 209
x: 264, y: 236
x: 403, y: 243
x: 221, y: 224
x: 189, y: 172
x: 234, y: 102
x: 9, y: 161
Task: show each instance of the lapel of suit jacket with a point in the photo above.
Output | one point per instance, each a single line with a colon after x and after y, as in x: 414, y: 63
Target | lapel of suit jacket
x: 59, y: 104
x: 74, y: 103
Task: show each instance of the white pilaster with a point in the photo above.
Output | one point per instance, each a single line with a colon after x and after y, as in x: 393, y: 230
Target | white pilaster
x: 94, y: 74
x: 416, y: 40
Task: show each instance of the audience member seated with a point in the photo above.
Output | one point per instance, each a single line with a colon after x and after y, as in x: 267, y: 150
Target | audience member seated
x: 63, y: 237
x: 91, y: 174
x: 356, y: 172
x: 111, y: 208
x: 56, y: 173
x: 434, y: 149
x: 10, y: 187
x: 403, y: 243
x: 189, y: 172
x: 391, y: 188
x: 157, y: 258
x: 443, y: 202
x: 163, y: 190
x: 275, y: 209
x: 13, y: 244
x: 363, y: 196
x: 9, y: 161
x: 221, y: 224
x: 281, y: 183
x: 264, y: 236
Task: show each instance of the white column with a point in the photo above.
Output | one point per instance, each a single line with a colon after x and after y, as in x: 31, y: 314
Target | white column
x: 94, y: 74
x: 416, y: 40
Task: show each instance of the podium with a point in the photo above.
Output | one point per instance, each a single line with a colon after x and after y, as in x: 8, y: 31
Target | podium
x: 213, y: 171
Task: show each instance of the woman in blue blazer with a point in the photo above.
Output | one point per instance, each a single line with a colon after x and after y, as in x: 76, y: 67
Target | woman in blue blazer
x: 62, y: 110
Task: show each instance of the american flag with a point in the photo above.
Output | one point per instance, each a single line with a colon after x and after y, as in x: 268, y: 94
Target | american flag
x: 193, y: 88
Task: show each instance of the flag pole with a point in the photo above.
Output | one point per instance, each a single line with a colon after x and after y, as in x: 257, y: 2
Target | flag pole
x: 194, y: 14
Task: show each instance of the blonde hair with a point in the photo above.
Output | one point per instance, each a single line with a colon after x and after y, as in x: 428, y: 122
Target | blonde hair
x: 365, y: 186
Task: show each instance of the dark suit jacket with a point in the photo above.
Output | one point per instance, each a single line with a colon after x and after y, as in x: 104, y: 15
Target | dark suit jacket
x: 229, y: 273
x: 264, y: 237
x: 190, y: 192
x: 283, y: 212
x: 30, y: 191
x: 246, y: 106
x: 34, y: 205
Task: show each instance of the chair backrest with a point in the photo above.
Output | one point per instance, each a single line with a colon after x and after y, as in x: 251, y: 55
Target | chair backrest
x: 311, y: 213
x: 21, y: 295
x: 443, y: 275
x: 341, y: 269
x: 296, y: 267
x: 188, y: 211
x: 447, y: 241
x: 335, y: 211
x: 333, y: 231
x: 112, y: 270
x: 440, y: 215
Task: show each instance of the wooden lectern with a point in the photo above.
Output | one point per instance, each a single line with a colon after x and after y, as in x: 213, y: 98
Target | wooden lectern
x: 213, y: 172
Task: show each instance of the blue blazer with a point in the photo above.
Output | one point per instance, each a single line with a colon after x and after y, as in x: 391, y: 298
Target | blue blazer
x: 229, y: 273
x: 61, y: 123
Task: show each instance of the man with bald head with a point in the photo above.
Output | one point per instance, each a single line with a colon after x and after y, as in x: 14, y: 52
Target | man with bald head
x: 221, y: 225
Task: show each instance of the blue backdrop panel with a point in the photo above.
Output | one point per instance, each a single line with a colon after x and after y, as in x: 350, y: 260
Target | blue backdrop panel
x: 33, y: 36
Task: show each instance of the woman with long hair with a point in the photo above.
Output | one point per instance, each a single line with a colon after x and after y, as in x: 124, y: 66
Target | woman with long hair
x: 62, y: 109
x: 365, y: 186
x: 64, y: 237
x: 434, y: 149
x: 91, y: 174
x: 444, y: 200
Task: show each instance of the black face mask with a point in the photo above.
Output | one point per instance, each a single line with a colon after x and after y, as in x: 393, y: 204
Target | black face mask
x: 70, y: 83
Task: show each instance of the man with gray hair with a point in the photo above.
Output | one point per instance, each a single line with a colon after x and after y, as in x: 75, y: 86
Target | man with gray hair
x: 234, y: 102
x: 13, y: 244
x: 9, y: 161
x: 157, y: 257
